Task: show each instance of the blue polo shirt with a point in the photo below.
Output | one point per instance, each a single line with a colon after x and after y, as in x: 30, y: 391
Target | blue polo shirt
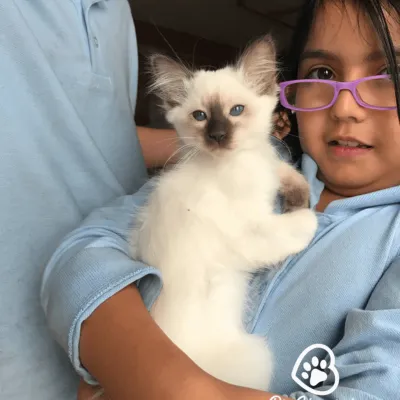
x: 68, y: 145
x: 342, y: 292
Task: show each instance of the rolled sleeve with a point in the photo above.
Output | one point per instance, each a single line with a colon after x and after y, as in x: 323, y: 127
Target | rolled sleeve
x: 91, y: 265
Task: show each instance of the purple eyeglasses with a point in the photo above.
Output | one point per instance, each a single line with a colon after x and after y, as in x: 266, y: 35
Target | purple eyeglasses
x: 375, y: 92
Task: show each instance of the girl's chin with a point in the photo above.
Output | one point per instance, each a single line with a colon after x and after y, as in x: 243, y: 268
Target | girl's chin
x: 346, y: 182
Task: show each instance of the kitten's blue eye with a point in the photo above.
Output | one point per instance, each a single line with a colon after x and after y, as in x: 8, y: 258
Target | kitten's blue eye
x: 236, y: 110
x: 199, y: 115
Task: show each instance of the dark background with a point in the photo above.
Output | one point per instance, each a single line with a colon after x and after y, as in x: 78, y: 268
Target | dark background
x: 204, y: 33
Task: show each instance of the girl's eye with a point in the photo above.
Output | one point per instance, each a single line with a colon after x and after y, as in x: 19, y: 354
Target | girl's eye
x: 320, y: 73
x: 199, y: 115
x: 236, y: 110
x: 387, y: 71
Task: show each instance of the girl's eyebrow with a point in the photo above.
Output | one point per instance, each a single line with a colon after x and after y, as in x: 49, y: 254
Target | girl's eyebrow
x: 318, y: 54
x: 379, y: 54
x: 329, y: 56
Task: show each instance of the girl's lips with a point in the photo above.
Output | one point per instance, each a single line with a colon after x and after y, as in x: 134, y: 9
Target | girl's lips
x: 346, y: 151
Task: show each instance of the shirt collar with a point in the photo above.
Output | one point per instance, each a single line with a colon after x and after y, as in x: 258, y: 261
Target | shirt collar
x: 380, y: 198
x: 310, y: 169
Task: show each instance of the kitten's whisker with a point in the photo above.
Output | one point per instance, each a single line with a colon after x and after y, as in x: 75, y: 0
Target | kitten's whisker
x: 168, y: 140
x: 191, y: 155
x: 176, y: 152
x: 291, y: 134
x: 194, y: 53
x: 285, y: 145
x: 168, y: 43
x: 297, y: 136
x: 173, y: 139
x: 183, y: 160
x: 195, y: 150
x: 186, y: 157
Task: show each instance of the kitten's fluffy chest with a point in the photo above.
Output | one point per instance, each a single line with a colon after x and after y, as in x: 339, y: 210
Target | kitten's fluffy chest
x: 214, y: 189
x: 212, y: 209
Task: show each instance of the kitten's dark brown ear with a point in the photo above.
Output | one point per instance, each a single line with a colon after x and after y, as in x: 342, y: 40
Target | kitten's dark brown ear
x: 169, y: 80
x: 259, y: 66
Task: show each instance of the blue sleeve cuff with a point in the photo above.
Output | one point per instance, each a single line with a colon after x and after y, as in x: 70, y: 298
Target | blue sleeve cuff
x: 102, y: 272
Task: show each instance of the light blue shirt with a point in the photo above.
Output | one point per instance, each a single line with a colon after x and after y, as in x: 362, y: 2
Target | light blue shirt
x: 68, y: 79
x: 343, y: 291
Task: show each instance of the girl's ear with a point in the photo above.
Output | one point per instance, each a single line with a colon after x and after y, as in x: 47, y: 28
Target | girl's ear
x: 258, y: 65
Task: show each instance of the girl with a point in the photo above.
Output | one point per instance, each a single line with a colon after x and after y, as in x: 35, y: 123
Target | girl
x: 342, y: 292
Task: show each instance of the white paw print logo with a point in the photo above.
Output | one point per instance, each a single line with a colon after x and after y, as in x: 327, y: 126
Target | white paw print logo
x: 315, y: 373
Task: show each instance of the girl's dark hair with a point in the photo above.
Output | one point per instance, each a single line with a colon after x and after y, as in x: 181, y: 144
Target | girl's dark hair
x: 374, y: 11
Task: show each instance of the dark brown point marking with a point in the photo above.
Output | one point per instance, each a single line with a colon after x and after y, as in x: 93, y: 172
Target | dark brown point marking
x: 219, y: 129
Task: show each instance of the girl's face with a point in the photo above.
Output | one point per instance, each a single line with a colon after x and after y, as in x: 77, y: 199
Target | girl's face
x: 343, y: 47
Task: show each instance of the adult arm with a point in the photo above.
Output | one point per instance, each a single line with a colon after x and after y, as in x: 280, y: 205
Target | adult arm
x: 159, y: 146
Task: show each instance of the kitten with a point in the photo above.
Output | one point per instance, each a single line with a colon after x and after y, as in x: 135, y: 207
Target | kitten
x: 210, y: 221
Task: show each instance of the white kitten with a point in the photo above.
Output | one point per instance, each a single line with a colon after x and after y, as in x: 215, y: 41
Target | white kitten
x: 209, y: 223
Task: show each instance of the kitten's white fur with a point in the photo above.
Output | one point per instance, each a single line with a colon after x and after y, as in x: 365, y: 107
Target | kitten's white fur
x: 209, y: 223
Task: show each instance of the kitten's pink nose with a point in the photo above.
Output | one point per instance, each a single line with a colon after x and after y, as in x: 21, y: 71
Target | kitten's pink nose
x: 217, y: 136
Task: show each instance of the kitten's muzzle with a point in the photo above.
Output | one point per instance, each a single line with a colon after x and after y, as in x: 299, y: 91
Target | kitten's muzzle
x: 217, y: 137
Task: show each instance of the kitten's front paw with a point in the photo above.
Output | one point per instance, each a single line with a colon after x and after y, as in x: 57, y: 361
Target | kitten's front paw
x: 294, y: 188
x: 295, y: 198
x: 295, y: 191
x: 305, y: 224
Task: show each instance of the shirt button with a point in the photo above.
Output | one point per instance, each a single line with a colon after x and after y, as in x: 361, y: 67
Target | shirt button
x: 95, y: 41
